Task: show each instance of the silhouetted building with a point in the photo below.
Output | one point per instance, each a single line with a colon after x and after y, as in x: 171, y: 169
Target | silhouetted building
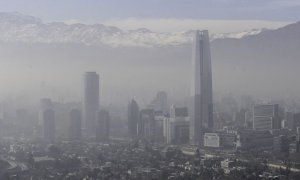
x: 90, y: 101
x: 240, y: 118
x: 297, y: 146
x: 49, y: 125
x: 146, y: 124
x: 201, y: 109
x: 160, y: 103
x: 249, y: 119
x: 62, y: 116
x: 133, y: 118
x: 22, y: 117
x: 159, y: 128
x: 102, y: 127
x: 229, y: 106
x: 176, y: 127
x: 45, y: 104
x: 246, y: 102
x: 281, y: 144
x: 289, y: 117
x: 296, y: 123
x: 75, y: 125
x: 266, y: 117
x: 253, y: 139
x: 227, y: 140
x: 151, y: 125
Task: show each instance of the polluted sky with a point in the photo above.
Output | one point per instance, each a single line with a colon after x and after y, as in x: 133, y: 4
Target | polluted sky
x: 54, y: 70
x: 163, y: 15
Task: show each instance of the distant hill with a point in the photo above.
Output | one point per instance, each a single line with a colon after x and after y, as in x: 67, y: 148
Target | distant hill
x: 49, y: 59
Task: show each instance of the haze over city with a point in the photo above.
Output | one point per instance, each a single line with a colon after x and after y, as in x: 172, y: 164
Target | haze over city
x: 169, y: 17
x: 214, y: 81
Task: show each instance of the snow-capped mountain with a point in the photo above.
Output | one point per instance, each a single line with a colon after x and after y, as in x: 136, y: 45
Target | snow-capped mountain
x: 263, y: 62
x: 16, y: 27
x: 237, y: 35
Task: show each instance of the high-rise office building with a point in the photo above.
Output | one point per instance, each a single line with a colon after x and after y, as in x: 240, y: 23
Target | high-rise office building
x: 296, y: 123
x: 159, y: 126
x: 160, y: 102
x: 266, y: 117
x: 289, y: 117
x: 102, y: 125
x: 45, y: 103
x: 133, y: 118
x: 49, y: 125
x: 146, y: 124
x: 176, y: 127
x: 90, y: 101
x: 201, y: 108
x: 22, y: 117
x: 75, y: 125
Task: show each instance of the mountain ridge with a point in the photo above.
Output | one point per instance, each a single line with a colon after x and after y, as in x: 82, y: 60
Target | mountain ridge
x: 264, y: 64
x: 16, y: 27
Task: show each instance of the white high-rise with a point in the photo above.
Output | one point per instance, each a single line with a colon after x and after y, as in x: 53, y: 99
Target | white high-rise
x: 201, y: 108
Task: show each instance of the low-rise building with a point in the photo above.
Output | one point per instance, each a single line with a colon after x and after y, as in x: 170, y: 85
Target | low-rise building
x: 211, y: 140
x: 252, y: 139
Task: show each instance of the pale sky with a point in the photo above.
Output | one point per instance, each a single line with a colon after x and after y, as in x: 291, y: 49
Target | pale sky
x: 163, y: 15
x: 217, y: 16
x: 99, y: 10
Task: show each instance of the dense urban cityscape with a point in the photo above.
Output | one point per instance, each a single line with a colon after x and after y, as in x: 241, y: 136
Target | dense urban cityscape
x: 189, y: 129
x: 230, y: 141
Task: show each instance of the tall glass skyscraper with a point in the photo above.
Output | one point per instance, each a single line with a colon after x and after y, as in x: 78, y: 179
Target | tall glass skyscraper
x: 201, y: 108
x: 90, y: 101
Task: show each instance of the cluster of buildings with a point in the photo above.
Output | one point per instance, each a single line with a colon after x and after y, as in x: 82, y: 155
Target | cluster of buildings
x: 260, y: 126
x: 90, y: 121
x: 257, y: 126
x: 268, y: 130
x: 183, y: 124
x: 116, y: 160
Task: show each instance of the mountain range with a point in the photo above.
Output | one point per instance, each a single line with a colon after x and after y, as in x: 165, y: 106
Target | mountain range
x: 34, y: 57
x: 16, y: 27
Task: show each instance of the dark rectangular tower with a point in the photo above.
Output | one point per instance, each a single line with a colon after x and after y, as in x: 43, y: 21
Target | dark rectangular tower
x: 49, y: 125
x: 75, y: 125
x: 90, y: 101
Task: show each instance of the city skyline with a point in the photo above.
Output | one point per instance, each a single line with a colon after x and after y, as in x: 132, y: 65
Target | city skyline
x: 149, y: 89
x: 65, y: 44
